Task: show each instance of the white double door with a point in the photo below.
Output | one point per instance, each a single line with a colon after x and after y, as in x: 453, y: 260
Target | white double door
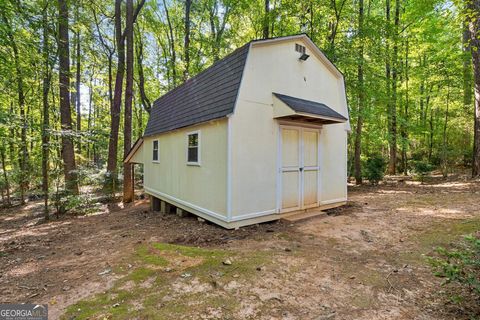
x: 299, y: 168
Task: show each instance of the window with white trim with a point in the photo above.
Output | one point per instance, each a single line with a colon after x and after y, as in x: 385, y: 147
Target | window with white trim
x: 193, y: 148
x: 155, y: 157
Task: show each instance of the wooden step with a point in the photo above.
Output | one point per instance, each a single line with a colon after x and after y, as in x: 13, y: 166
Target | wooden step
x: 302, y: 215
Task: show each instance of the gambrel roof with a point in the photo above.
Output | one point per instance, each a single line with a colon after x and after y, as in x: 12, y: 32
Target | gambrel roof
x: 209, y: 95
x: 212, y: 94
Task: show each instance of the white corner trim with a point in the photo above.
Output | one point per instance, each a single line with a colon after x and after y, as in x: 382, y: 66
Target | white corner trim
x: 253, y: 215
x: 229, y: 168
x: 187, y: 204
x: 333, y: 201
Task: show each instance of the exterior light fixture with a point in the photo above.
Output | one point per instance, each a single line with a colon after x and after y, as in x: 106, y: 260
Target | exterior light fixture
x: 304, y: 57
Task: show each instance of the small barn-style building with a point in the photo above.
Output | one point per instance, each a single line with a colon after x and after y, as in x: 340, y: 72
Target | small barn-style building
x: 260, y: 133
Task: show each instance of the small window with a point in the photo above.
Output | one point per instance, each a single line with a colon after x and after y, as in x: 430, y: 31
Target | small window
x: 299, y: 48
x: 193, y: 148
x: 155, y: 151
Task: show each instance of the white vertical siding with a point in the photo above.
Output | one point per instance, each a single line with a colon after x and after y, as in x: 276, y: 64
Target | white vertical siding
x: 204, y: 186
x: 254, y: 134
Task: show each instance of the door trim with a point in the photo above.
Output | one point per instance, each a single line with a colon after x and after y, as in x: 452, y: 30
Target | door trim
x: 279, y: 190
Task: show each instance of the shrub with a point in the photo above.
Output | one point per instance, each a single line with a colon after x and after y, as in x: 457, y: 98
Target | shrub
x: 375, y: 168
x: 421, y: 169
x: 460, y: 265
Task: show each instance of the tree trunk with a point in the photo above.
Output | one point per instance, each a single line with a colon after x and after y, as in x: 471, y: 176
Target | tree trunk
x: 5, y: 176
x: 445, y: 139
x: 171, y: 40
x: 432, y: 133
x: 141, y: 78
x: 360, y: 97
x: 46, y: 113
x: 23, y: 156
x: 467, y: 68
x: 89, y: 118
x: 392, y: 164
x: 474, y: 25
x: 266, y: 20
x: 111, y: 179
x: 77, y: 84
x: 388, y: 77
x: 404, y: 126
x: 68, y: 153
x: 186, y: 47
x: 127, y: 136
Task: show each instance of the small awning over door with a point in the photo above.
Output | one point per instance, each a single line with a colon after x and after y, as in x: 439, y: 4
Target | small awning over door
x: 291, y: 108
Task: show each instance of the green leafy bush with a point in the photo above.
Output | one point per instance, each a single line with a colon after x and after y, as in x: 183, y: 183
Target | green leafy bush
x: 421, y: 169
x: 460, y: 265
x: 374, y: 168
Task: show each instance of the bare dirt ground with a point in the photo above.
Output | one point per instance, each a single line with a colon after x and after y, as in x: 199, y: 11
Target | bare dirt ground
x: 366, y: 260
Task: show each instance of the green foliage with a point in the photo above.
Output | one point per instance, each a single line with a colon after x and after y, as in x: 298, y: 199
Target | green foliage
x: 421, y: 169
x: 374, y: 168
x: 461, y: 266
x: 433, y: 73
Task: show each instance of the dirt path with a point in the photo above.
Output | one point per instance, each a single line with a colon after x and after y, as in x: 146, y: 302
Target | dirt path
x: 363, y: 261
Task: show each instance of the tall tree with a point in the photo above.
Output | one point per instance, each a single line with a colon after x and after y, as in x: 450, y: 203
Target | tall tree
x: 23, y: 156
x: 266, y: 20
x: 46, y: 110
x: 78, y: 77
x: 474, y: 26
x: 171, y: 41
x: 186, y: 43
x: 141, y: 76
x: 360, y: 96
x: 217, y: 25
x: 127, y: 136
x: 111, y: 180
x: 68, y: 153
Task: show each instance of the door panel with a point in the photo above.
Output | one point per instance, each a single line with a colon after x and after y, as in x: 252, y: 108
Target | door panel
x: 290, y: 169
x: 299, y: 168
x: 310, y: 168
x: 290, y: 148
x: 310, y: 148
x: 290, y: 194
x: 310, y: 188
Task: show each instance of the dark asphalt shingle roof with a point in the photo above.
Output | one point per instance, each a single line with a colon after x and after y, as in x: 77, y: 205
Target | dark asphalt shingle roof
x: 209, y: 95
x: 307, y: 106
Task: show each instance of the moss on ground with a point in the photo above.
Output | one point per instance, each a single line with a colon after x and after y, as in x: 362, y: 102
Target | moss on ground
x: 441, y: 234
x: 148, y: 291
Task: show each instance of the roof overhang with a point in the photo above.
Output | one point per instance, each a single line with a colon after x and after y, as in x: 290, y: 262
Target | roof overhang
x: 297, y: 109
x: 133, y: 150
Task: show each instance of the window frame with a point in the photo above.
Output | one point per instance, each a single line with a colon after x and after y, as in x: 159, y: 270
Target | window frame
x: 158, y: 151
x: 198, y: 162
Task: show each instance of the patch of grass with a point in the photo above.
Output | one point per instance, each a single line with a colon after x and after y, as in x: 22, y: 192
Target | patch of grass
x: 192, y: 252
x: 109, y: 305
x: 154, y: 301
x: 444, y: 234
x: 438, y: 235
x: 140, y: 274
x: 145, y: 254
